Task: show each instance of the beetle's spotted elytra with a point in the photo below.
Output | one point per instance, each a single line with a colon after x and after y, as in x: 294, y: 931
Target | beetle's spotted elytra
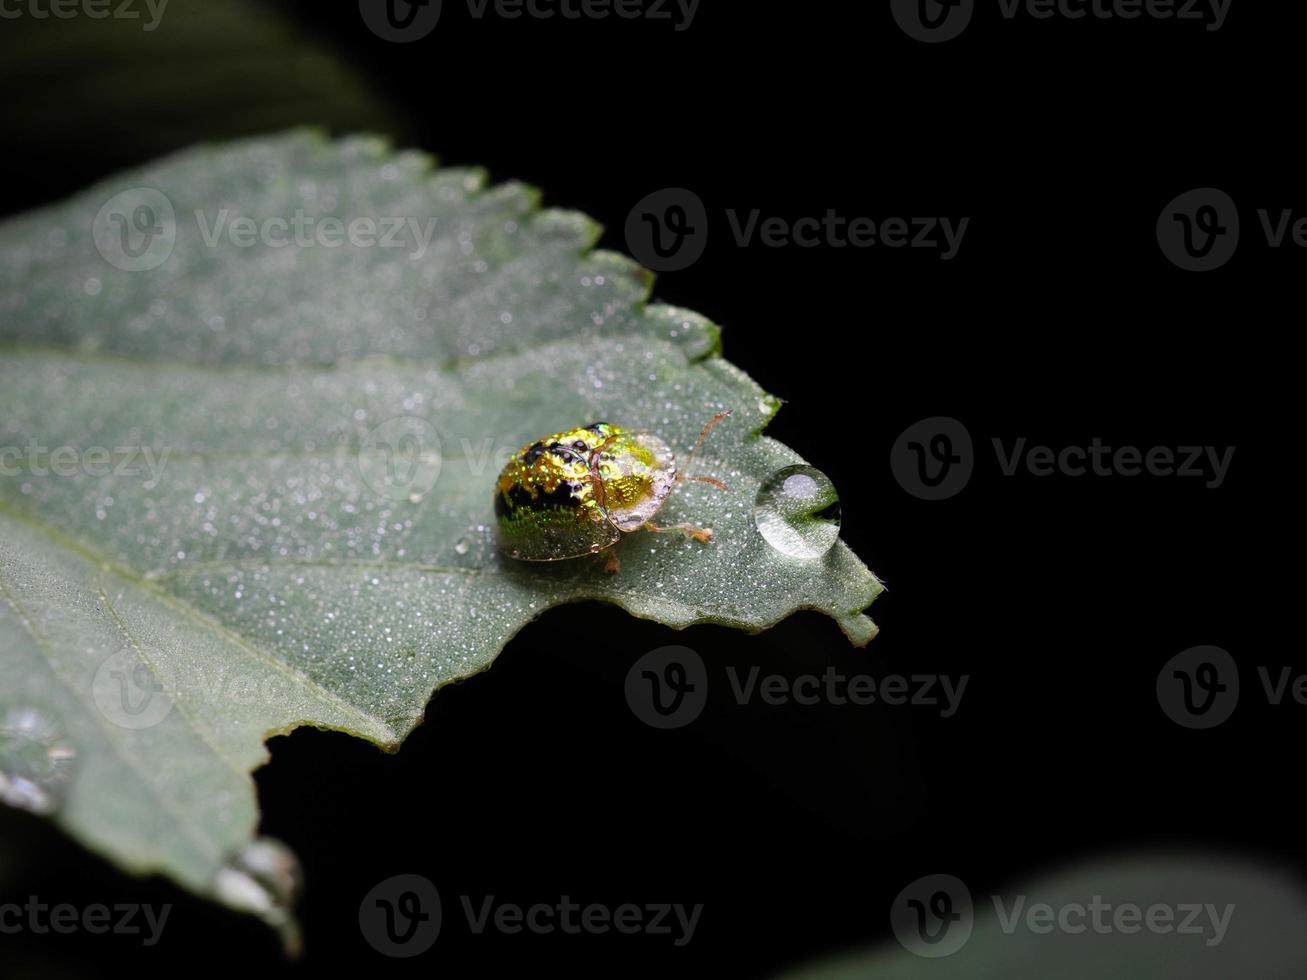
x: 576, y: 493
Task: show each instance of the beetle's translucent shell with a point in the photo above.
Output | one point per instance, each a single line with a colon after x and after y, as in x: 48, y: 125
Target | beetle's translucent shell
x: 574, y: 493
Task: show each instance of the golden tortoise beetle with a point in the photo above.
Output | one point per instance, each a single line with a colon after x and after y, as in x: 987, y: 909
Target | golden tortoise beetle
x: 577, y: 492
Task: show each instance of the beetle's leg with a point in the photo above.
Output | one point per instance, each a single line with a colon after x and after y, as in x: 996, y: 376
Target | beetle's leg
x: 690, y: 531
x: 682, y: 474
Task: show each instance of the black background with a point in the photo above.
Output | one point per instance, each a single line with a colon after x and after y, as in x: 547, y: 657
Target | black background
x: 1061, y: 598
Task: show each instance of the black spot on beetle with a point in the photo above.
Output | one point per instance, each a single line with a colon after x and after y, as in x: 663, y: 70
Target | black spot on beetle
x: 519, y: 498
x: 501, y: 505
x: 566, y: 455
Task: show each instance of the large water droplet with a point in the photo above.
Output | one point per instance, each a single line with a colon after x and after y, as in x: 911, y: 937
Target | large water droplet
x: 264, y: 878
x: 462, y: 546
x: 36, y: 762
x: 798, y: 512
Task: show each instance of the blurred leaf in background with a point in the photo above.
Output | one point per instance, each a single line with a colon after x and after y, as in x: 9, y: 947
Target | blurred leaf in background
x: 85, y: 95
x: 1212, y: 919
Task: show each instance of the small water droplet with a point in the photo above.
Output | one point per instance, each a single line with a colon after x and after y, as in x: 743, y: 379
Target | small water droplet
x: 462, y: 546
x: 36, y: 762
x: 264, y: 878
x: 798, y: 512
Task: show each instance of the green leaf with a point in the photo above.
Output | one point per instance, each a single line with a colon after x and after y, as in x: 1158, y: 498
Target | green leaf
x: 1210, y: 918
x: 258, y: 552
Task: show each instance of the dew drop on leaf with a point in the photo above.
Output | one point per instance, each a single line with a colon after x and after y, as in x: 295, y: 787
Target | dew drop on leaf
x: 35, y: 761
x: 264, y: 878
x: 798, y: 512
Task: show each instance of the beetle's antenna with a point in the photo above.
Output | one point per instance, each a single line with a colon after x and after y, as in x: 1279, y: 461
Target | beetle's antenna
x: 699, y: 442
